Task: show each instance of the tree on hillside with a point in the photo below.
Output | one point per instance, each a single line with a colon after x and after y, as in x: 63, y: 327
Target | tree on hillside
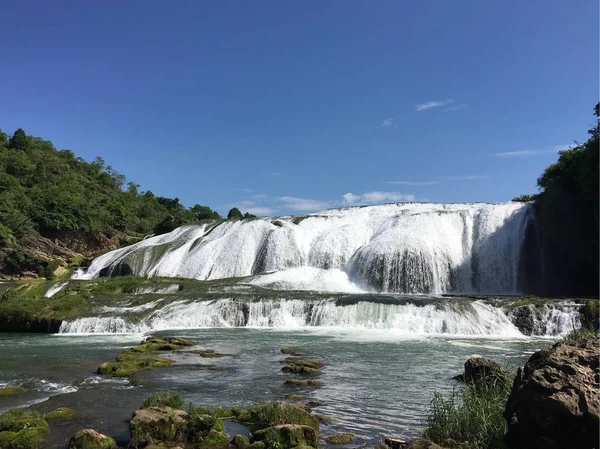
x: 204, y: 213
x: 567, y: 209
x: 19, y: 140
x: 234, y: 214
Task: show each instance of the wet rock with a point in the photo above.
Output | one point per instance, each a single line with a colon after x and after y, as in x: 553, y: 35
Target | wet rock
x: 295, y: 397
x: 301, y: 370
x: 394, y: 443
x: 293, y: 351
x: 304, y: 362
x: 480, y: 370
x: 157, y: 425
x: 90, y: 439
x: 302, y: 382
x: 12, y: 390
x: 287, y: 436
x: 60, y: 414
x: 275, y: 413
x: 422, y: 444
x: 554, y: 402
x: 341, y: 438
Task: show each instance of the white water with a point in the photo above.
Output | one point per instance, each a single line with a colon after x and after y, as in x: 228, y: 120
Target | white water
x: 55, y: 289
x: 408, y: 320
x: 411, y: 248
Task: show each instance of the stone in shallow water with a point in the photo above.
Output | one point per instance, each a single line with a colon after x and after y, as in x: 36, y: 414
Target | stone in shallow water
x: 157, y: 425
x: 287, y: 435
x: 90, y: 439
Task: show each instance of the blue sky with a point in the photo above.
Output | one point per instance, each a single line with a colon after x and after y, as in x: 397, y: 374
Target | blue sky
x: 284, y: 107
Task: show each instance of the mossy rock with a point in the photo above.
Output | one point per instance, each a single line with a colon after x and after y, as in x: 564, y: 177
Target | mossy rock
x: 275, y: 413
x: 130, y: 367
x: 12, y: 390
x: 214, y: 439
x: 302, y: 382
x: 29, y: 438
x: 240, y: 442
x: 315, y: 364
x: 295, y: 397
x: 5, y: 438
x: 18, y: 419
x: 157, y: 425
x: 60, y: 414
x: 340, y: 438
x: 315, y: 403
x: 90, y: 439
x: 257, y: 445
x: 323, y: 418
x: 301, y: 370
x: 201, y: 425
x: 287, y: 436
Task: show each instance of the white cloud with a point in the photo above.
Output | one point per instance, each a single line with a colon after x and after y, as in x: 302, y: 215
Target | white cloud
x: 349, y: 199
x: 433, y: 104
x: 526, y: 153
x: 414, y: 183
x: 387, y: 123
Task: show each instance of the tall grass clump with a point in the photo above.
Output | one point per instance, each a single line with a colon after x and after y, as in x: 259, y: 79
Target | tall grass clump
x: 164, y: 399
x: 472, y: 415
x: 583, y: 333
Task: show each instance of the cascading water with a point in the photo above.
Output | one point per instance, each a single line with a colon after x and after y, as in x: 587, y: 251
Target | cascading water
x: 399, y: 316
x: 408, y: 248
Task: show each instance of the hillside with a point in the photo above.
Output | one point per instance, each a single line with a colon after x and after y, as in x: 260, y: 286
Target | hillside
x: 57, y: 209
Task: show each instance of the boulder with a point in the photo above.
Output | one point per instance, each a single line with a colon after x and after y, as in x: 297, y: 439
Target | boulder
x: 341, y: 438
x: 90, y: 439
x: 155, y: 425
x: 479, y: 370
x: 287, y: 436
x: 554, y: 401
x: 275, y: 413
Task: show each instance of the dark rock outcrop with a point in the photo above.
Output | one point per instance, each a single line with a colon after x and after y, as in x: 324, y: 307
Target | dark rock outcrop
x: 479, y: 370
x: 554, y: 403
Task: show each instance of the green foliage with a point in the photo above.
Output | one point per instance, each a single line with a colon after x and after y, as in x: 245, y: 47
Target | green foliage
x: 473, y: 413
x: 164, y: 399
x: 60, y: 414
x: 234, y: 214
x: 582, y: 333
x: 249, y: 215
x: 568, y: 216
x: 524, y: 198
x: 60, y: 195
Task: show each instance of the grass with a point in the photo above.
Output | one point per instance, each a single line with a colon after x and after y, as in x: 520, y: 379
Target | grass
x: 472, y: 414
x: 164, y: 399
x: 582, y: 333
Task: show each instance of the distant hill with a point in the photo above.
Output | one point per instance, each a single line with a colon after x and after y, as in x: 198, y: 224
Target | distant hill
x: 56, y: 206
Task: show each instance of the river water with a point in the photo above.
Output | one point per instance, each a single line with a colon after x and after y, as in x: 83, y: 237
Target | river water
x: 375, y: 382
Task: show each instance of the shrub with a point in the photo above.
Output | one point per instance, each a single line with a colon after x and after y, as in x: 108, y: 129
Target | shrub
x: 164, y: 399
x: 471, y: 413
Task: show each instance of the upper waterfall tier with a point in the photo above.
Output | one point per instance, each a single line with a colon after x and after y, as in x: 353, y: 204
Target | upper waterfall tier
x: 407, y: 247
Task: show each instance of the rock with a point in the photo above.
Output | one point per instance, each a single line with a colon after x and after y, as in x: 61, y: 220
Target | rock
x: 12, y: 390
x: 295, y: 397
x: 214, y: 439
x: 554, y: 401
x: 60, y: 414
x: 422, y: 444
x: 275, y: 413
x: 157, y: 425
x: 394, y: 443
x: 287, y: 436
x: 90, y: 439
x: 481, y: 370
x: 302, y: 382
x: 293, y: 351
x: 301, y: 369
x: 240, y: 442
x: 342, y: 438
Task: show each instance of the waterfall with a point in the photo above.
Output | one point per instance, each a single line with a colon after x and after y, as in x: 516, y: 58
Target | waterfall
x: 53, y: 290
x: 395, y: 248
x: 403, y: 317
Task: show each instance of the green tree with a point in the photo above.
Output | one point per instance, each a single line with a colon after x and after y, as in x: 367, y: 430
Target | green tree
x: 234, y: 214
x: 19, y: 140
x: 249, y: 215
x: 204, y: 213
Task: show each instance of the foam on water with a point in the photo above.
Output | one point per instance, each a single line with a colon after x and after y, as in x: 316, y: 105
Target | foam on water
x: 55, y: 289
x: 403, y: 319
x: 410, y: 248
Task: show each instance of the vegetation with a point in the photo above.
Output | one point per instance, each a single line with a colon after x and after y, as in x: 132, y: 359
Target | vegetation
x: 473, y: 414
x: 22, y: 429
x: 11, y: 390
x: 53, y: 193
x: 567, y: 211
x: 60, y: 414
x: 164, y: 399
